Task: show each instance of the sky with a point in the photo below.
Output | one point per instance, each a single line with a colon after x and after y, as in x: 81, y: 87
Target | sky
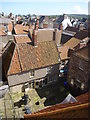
x: 44, y: 8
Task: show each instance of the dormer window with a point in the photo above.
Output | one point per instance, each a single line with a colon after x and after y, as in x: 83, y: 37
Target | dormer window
x: 31, y: 73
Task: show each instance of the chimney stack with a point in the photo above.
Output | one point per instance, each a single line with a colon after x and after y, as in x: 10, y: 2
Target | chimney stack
x: 37, y: 24
x: 57, y: 36
x: 35, y: 38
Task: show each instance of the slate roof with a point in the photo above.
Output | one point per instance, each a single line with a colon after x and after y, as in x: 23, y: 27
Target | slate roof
x: 20, y: 29
x: 73, y: 29
x: 22, y: 38
x: 60, y: 19
x: 31, y: 57
x: 73, y: 42
x: 81, y: 34
x: 41, y: 19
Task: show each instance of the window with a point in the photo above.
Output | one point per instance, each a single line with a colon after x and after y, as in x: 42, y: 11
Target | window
x: 37, y: 83
x: 82, y: 86
x: 78, y: 83
x: 72, y: 81
x: 26, y: 85
x: 31, y: 73
x: 49, y: 69
x: 81, y: 65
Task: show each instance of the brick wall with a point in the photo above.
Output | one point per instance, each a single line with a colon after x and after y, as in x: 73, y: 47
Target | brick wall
x: 78, y: 69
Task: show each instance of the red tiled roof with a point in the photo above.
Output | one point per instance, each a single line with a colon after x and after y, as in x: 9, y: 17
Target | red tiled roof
x: 70, y: 110
x: 77, y: 111
x: 22, y: 39
x: 63, y: 50
x: 83, y: 98
x: 10, y: 27
x: 73, y: 42
x: 31, y: 57
x: 20, y: 29
x: 14, y: 66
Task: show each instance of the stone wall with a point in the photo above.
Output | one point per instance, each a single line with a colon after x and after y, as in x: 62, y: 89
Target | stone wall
x: 17, y: 81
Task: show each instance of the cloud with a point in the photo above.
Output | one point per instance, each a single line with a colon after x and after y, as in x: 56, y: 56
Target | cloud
x: 78, y: 10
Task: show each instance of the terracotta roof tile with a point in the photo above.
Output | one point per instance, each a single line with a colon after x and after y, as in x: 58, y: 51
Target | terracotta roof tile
x: 10, y: 27
x: 73, y: 42
x: 35, y: 57
x: 32, y: 57
x: 63, y: 50
x: 22, y: 39
x: 83, y: 98
x: 20, y: 29
x: 14, y: 66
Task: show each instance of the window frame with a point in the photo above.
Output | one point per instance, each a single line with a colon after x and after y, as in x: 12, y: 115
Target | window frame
x: 32, y: 73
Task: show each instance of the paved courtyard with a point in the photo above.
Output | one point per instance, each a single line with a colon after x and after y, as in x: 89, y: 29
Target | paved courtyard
x: 33, y: 96
x: 51, y: 94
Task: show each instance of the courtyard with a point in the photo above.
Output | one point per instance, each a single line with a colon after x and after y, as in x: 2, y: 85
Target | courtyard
x: 40, y: 98
x: 54, y: 93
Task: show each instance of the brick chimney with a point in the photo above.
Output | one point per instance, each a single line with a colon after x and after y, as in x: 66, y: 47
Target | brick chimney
x: 35, y: 38
x: 37, y: 24
x: 57, y: 36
